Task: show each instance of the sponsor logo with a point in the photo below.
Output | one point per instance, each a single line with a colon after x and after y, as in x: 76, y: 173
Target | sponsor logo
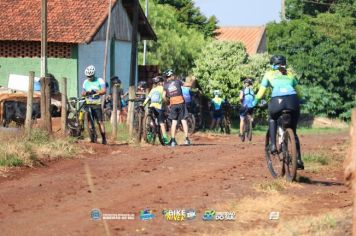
x: 212, y: 215
x: 209, y: 215
x: 146, y: 214
x: 95, y: 214
x: 274, y: 215
x: 179, y: 214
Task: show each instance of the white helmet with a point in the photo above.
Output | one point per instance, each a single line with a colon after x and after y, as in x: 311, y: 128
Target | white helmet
x: 89, y: 71
x: 216, y: 92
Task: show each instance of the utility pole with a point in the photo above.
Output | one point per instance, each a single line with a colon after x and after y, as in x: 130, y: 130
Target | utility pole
x: 107, y: 41
x: 283, y: 10
x: 44, y: 39
x: 145, y: 41
x: 133, y: 67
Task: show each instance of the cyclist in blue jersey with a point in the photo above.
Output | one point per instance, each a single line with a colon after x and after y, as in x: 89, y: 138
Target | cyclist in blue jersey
x: 286, y: 95
x: 216, y: 108
x: 93, y: 88
x: 247, y: 96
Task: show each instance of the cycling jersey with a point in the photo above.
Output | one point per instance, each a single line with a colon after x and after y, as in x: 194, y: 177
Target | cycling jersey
x: 282, y: 85
x: 186, y: 94
x: 174, y: 91
x: 156, y: 96
x: 217, y: 103
x: 248, y: 97
x: 96, y: 84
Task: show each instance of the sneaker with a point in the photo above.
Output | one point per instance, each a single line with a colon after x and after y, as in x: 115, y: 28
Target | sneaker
x: 173, y: 143
x: 166, y: 141
x: 300, y: 165
x: 187, y: 141
x: 104, y: 141
x: 274, y: 149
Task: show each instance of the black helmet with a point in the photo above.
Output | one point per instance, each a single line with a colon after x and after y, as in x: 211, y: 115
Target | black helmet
x: 142, y: 84
x: 115, y: 80
x: 278, y: 60
x: 168, y: 73
x: 248, y: 81
x: 157, y: 79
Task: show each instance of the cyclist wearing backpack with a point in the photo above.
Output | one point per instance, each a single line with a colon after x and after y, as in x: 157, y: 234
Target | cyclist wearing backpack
x: 285, y: 96
x: 216, y: 108
x: 247, y: 97
x: 156, y: 98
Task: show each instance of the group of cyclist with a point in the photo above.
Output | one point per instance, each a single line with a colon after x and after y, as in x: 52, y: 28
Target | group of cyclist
x: 169, y: 88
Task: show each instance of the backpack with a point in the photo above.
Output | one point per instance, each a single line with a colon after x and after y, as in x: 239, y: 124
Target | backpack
x: 248, y: 97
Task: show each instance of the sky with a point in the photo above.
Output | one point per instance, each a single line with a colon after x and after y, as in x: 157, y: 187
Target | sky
x: 241, y: 12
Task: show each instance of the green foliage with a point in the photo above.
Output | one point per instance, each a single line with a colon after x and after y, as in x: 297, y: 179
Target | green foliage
x: 192, y: 17
x: 296, y: 9
x: 221, y: 66
x: 322, y: 51
x: 320, y: 102
x: 177, y: 45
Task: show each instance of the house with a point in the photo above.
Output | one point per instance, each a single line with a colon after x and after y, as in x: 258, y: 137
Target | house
x: 76, y: 38
x: 254, y: 38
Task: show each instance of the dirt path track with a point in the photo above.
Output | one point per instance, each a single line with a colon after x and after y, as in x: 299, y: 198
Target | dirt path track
x: 58, y: 199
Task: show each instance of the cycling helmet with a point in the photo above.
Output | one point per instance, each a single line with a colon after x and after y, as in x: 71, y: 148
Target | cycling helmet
x: 216, y: 92
x: 278, y: 60
x: 248, y: 81
x: 115, y: 80
x: 142, y: 84
x: 157, y: 79
x: 169, y: 73
x: 89, y: 71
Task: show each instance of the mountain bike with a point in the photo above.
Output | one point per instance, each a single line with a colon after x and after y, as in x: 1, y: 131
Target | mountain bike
x: 152, y: 128
x: 247, y: 127
x: 284, y: 162
x: 77, y: 107
x: 139, y: 114
x: 225, y: 122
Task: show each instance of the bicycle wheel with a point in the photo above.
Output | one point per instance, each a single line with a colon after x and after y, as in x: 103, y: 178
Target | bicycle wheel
x: 249, y: 130
x: 191, y: 123
x: 137, y: 124
x: 244, y: 128
x: 274, y: 162
x: 289, y: 149
x: 150, y: 130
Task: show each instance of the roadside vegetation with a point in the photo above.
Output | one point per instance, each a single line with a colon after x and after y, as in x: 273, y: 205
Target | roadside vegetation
x: 16, y: 150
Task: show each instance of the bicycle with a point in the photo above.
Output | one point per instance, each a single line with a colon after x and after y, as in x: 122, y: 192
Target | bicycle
x: 139, y: 114
x: 152, y: 128
x: 247, y: 127
x: 225, y: 122
x: 75, y: 117
x: 284, y: 162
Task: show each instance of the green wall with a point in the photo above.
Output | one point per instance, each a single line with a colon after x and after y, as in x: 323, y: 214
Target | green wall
x: 59, y: 67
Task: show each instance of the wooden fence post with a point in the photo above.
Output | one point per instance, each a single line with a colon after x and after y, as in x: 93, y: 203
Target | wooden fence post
x: 353, y: 166
x: 64, y: 107
x: 43, y: 102
x: 28, y: 122
x: 114, y: 111
x: 48, y: 118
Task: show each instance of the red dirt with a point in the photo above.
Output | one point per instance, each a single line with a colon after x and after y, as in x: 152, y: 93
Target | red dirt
x: 57, y: 199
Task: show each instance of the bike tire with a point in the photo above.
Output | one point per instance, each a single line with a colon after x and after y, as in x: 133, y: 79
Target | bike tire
x: 150, y: 129
x: 274, y: 163
x: 249, y: 132
x: 191, y: 123
x: 290, y: 155
x: 74, y: 125
x: 227, y: 126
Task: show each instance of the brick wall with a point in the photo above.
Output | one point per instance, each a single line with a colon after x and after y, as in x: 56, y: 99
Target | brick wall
x: 33, y: 49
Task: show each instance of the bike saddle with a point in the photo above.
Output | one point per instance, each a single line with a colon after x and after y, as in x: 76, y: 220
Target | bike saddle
x: 286, y: 118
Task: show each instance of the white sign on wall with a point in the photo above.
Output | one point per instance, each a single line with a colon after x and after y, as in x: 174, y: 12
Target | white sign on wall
x: 20, y: 83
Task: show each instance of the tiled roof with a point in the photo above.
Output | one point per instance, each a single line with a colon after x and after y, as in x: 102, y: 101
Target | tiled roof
x: 69, y: 21
x: 249, y: 36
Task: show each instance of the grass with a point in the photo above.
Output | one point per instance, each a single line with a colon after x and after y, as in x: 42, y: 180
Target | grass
x: 122, y: 131
x: 316, y: 159
x: 276, y: 185
x: 16, y: 150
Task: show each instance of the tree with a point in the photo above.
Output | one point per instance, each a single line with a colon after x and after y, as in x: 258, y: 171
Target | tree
x: 192, y: 16
x: 221, y: 66
x: 322, y: 50
x: 177, y: 45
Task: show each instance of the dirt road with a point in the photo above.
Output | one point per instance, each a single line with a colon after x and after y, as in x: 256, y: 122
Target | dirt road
x: 217, y: 172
